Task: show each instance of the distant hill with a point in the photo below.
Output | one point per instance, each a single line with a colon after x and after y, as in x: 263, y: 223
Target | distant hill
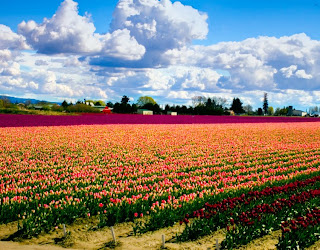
x: 23, y: 100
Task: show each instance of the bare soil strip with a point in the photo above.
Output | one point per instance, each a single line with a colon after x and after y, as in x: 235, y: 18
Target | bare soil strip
x: 83, y: 234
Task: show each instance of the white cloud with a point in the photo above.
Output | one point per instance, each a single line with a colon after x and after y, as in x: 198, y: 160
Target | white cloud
x: 157, y: 26
x: 157, y: 80
x: 72, y: 61
x: 302, y: 74
x: 160, y: 25
x: 65, y: 32
x: 10, y: 44
x: 51, y: 78
x: 289, y: 71
x: 16, y: 84
x: 41, y: 63
x: 292, y: 71
x: 13, y: 69
x: 264, y: 63
x: 194, y: 78
x: 68, y: 32
x: 5, y: 55
x: 11, y: 40
x: 119, y: 44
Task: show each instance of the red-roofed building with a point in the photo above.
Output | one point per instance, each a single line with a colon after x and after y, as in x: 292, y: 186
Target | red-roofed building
x: 106, y: 110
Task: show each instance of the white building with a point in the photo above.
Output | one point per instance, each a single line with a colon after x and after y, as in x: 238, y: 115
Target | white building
x: 296, y: 112
x: 144, y: 112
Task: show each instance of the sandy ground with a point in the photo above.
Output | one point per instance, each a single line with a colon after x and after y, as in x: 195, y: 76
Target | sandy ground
x: 84, y: 235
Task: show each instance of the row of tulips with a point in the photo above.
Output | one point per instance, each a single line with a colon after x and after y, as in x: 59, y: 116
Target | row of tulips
x: 236, y: 209
x: 167, y: 213
x: 300, y: 232
x: 268, y: 218
x: 8, y: 120
x: 53, y: 175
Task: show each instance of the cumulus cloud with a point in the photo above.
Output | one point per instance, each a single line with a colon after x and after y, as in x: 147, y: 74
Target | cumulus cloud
x: 41, y: 63
x: 72, y: 61
x: 11, y: 40
x: 65, y: 32
x: 302, y: 74
x: 5, y: 55
x: 289, y: 71
x: 292, y: 71
x: 160, y: 25
x: 15, y: 85
x: 263, y: 63
x: 48, y: 83
x: 119, y: 44
x: 162, y: 83
x: 10, y: 45
x: 68, y: 32
x: 12, y: 69
x: 55, y: 84
x: 157, y: 26
x: 48, y: 80
x: 195, y: 78
x: 8, y: 67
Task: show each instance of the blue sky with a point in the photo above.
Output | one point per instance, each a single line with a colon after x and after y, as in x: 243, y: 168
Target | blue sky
x: 169, y: 50
x: 229, y: 20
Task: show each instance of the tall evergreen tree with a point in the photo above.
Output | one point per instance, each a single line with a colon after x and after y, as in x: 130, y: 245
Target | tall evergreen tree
x: 237, y: 106
x: 64, y: 104
x: 125, y: 99
x: 265, y: 103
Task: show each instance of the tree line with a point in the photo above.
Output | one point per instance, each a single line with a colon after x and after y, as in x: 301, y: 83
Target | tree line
x: 200, y: 106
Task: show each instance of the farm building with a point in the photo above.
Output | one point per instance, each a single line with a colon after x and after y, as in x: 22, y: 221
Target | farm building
x: 145, y: 112
x: 172, y: 113
x: 296, y: 112
x: 106, y: 110
x: 100, y: 108
x: 89, y: 103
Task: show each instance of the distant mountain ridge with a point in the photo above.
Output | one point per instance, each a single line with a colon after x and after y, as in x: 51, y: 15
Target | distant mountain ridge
x: 24, y: 100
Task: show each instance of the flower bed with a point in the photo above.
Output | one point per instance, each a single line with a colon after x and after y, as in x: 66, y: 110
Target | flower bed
x: 53, y: 175
x: 244, y: 209
x: 300, y: 232
x: 8, y: 120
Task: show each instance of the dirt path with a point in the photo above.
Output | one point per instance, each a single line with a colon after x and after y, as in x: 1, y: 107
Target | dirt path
x: 83, y: 234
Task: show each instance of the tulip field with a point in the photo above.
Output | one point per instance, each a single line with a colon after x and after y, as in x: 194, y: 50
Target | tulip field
x: 247, y: 179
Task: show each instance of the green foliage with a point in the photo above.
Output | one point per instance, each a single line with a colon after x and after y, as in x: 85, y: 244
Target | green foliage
x: 143, y: 100
x: 124, y: 108
x: 242, y: 235
x: 281, y: 111
x: 82, y: 108
x: 125, y: 100
x: 236, y: 106
x: 300, y: 238
x: 202, y: 106
x: 57, y: 108
x: 109, y: 104
x: 65, y: 105
x: 99, y: 103
x: 95, y: 102
x: 265, y: 103
x: 270, y: 111
x: 154, y: 107
x: 205, y: 226
x: 5, y: 103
